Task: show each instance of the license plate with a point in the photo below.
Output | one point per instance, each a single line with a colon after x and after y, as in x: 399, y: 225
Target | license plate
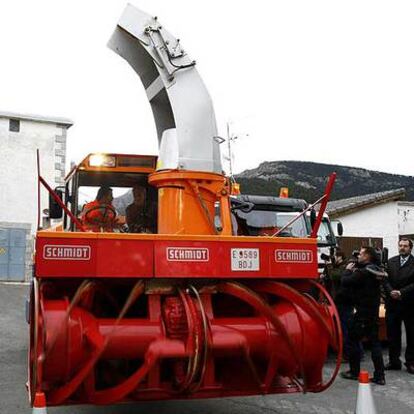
x: 245, y: 260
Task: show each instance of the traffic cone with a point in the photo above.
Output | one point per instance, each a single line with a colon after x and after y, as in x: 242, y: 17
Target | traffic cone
x: 39, y: 404
x: 365, y: 401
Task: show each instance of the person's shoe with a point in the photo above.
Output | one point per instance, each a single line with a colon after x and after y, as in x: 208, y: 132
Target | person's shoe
x: 392, y: 367
x: 410, y: 368
x: 377, y: 380
x: 349, y: 375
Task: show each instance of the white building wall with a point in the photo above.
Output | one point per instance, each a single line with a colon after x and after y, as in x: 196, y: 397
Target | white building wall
x: 377, y: 221
x: 18, y: 178
x: 405, y: 218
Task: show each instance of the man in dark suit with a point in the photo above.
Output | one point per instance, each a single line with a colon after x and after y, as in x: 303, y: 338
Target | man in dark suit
x: 399, y: 305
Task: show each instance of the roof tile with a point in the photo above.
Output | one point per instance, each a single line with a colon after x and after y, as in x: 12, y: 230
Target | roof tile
x: 340, y: 207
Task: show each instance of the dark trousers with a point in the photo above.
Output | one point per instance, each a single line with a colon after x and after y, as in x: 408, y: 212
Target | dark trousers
x: 346, y: 313
x: 360, y: 327
x: 394, y: 317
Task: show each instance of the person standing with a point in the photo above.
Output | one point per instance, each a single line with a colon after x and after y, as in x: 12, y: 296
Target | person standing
x: 362, y: 278
x: 399, y: 305
x: 342, y: 297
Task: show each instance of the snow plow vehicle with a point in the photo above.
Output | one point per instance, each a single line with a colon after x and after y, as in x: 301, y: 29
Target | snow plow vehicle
x: 189, y: 309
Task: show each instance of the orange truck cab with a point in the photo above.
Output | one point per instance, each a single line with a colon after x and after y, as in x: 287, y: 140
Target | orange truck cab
x: 121, y: 173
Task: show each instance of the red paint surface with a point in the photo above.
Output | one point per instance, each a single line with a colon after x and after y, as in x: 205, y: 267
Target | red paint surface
x: 120, y: 258
x: 280, y: 347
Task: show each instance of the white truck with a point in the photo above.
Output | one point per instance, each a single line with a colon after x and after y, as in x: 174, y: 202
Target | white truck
x: 327, y: 239
x: 264, y: 215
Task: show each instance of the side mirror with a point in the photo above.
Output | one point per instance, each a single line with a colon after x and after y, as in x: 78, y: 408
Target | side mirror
x: 312, y: 217
x: 340, y: 229
x: 55, y: 210
x: 244, y: 206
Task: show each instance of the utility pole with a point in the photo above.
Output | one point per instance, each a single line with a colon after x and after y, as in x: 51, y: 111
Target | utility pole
x: 230, y: 140
x: 229, y: 150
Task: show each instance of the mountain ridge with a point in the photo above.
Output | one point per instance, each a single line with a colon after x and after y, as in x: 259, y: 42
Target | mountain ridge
x: 306, y: 179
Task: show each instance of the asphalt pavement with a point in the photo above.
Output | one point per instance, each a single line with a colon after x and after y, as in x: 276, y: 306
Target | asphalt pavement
x: 396, y: 397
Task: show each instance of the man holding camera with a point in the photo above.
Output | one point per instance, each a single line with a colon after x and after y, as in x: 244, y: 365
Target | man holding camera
x: 364, y: 278
x: 399, y: 305
x: 341, y: 295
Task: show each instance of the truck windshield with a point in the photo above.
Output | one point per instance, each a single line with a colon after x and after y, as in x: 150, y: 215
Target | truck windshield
x: 325, y: 234
x: 266, y: 223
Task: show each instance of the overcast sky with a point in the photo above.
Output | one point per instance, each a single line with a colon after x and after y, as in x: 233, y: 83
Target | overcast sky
x: 325, y: 81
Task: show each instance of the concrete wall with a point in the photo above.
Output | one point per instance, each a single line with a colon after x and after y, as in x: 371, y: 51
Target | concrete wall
x: 378, y: 221
x: 18, y: 178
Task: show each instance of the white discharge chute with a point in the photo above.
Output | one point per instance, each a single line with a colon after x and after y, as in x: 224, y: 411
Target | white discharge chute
x: 182, y: 107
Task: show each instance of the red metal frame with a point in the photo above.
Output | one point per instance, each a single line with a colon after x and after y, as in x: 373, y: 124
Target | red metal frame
x: 61, y: 204
x: 325, y: 200
x: 147, y: 256
x: 41, y: 180
x: 38, y: 189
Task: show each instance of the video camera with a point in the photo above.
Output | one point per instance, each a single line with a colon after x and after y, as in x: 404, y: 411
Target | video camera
x: 329, y: 258
x: 326, y: 257
x: 354, y: 256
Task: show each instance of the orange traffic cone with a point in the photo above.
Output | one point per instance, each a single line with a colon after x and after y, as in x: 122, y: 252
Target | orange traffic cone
x: 365, y: 401
x: 39, y: 404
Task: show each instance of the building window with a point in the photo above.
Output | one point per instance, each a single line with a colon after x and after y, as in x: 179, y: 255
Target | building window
x: 14, y: 125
